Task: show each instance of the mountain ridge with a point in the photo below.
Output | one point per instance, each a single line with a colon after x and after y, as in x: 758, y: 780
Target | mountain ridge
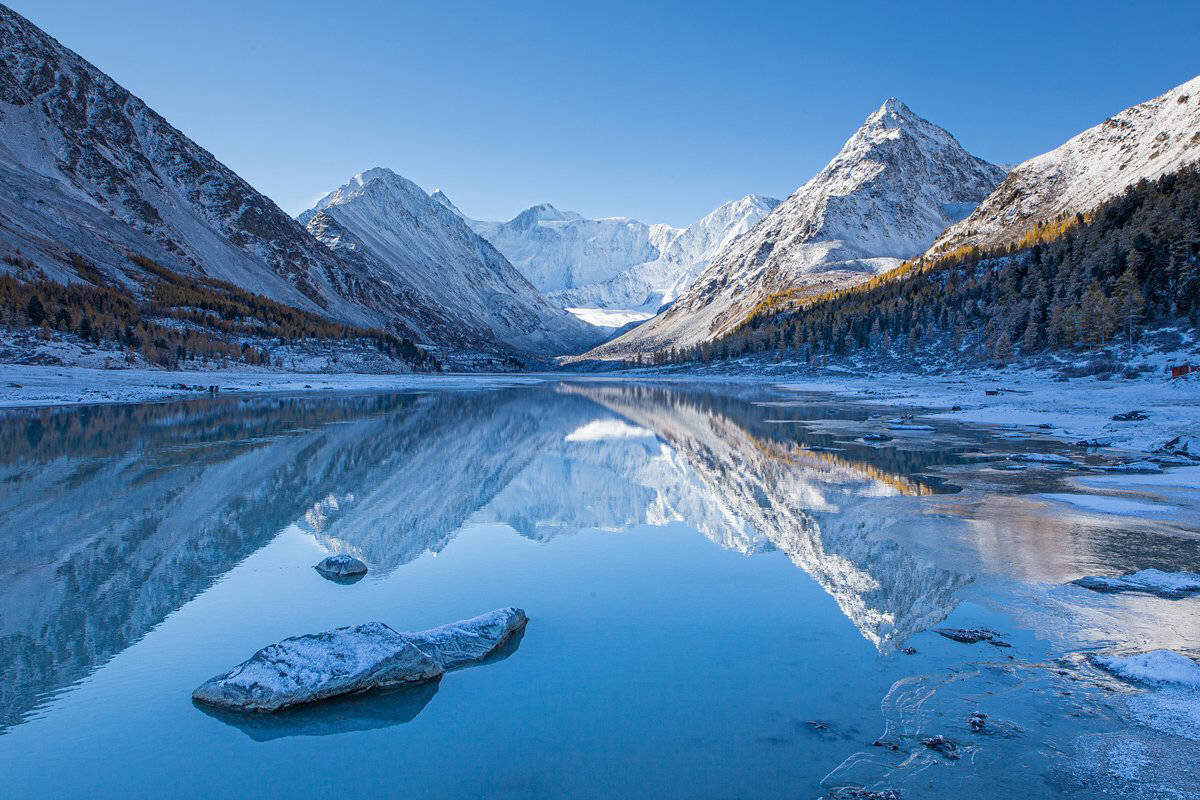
x: 893, y: 187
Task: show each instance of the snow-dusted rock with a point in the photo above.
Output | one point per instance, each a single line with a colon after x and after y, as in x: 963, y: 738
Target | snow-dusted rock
x: 1144, y: 467
x: 1155, y: 668
x: 341, y: 565
x: 1040, y: 458
x: 1141, y: 142
x: 1184, y: 445
x: 1171, y: 585
x: 468, y: 294
x: 896, y: 184
x: 305, y: 669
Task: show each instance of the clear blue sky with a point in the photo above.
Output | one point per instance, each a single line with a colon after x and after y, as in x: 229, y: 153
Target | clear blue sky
x: 658, y: 111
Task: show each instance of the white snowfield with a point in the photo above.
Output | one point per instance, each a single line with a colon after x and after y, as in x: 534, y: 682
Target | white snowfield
x: 463, y: 290
x: 896, y: 184
x: 1144, y: 141
x: 36, y: 386
x: 589, y: 265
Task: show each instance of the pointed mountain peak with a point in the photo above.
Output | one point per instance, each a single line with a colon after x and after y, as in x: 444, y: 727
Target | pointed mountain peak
x: 441, y: 199
x: 892, y: 114
x: 542, y: 212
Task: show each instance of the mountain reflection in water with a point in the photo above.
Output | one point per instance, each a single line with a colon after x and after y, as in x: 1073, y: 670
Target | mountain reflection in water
x: 113, y: 517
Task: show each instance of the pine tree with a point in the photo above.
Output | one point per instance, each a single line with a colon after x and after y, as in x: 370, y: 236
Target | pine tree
x: 1128, y: 302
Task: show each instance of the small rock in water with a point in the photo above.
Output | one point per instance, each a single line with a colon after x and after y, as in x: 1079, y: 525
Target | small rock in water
x: 305, y: 669
x: 940, y: 744
x: 977, y: 720
x: 1130, y: 416
x: 860, y: 793
x: 341, y: 566
x: 969, y: 635
x: 1093, y: 443
x: 908, y: 651
x: 1170, y: 585
x: 1040, y: 458
x: 877, y: 437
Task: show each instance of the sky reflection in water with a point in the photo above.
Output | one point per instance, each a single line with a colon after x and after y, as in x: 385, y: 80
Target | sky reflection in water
x: 719, y: 581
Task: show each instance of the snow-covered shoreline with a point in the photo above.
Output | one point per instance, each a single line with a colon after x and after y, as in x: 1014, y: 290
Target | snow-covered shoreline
x: 23, y: 386
x: 1077, y: 410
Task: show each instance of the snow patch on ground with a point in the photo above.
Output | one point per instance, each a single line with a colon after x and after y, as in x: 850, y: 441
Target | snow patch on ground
x: 610, y: 317
x: 31, y: 386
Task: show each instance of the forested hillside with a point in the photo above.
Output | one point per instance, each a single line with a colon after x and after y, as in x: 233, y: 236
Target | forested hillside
x: 1072, y: 283
x: 170, y: 319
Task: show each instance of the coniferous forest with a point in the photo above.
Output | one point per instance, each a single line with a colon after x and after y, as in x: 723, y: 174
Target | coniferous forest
x: 169, y: 318
x: 1070, y: 284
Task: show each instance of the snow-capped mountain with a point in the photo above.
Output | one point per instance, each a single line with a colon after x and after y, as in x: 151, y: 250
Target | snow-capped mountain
x: 87, y: 168
x: 650, y: 284
x: 602, y: 267
x: 1142, y: 142
x: 422, y: 248
x: 559, y: 250
x: 896, y: 184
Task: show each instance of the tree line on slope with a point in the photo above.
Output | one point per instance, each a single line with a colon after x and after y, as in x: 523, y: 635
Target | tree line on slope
x: 1073, y: 283
x: 176, y: 317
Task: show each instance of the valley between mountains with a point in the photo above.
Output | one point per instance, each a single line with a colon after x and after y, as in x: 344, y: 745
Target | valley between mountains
x: 123, y: 243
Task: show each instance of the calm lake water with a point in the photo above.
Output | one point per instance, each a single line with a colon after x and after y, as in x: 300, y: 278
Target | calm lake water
x: 731, y: 595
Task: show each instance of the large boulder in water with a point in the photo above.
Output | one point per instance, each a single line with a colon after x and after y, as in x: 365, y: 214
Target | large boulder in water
x: 340, y: 567
x: 316, y: 666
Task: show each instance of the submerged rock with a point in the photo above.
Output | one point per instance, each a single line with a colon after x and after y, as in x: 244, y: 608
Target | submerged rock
x: 341, y: 566
x: 1171, y: 585
x: 305, y: 669
x: 940, y: 744
x: 977, y: 721
x: 971, y: 635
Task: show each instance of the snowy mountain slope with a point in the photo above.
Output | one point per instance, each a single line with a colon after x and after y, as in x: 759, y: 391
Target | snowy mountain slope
x: 559, y: 250
x: 422, y: 248
x: 1142, y: 142
x: 86, y: 167
x: 650, y: 284
x: 896, y: 184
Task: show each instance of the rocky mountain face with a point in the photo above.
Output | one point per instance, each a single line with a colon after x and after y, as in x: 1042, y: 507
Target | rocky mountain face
x: 1145, y: 141
x: 650, y: 284
x: 896, y: 184
x: 87, y: 168
x: 422, y: 248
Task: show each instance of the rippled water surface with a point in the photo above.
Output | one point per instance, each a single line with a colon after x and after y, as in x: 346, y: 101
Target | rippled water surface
x: 731, y: 595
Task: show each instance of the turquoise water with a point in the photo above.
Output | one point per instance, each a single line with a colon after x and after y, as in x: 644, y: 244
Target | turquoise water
x: 722, y: 582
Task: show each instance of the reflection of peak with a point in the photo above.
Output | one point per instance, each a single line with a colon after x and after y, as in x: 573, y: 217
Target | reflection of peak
x: 808, y: 505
